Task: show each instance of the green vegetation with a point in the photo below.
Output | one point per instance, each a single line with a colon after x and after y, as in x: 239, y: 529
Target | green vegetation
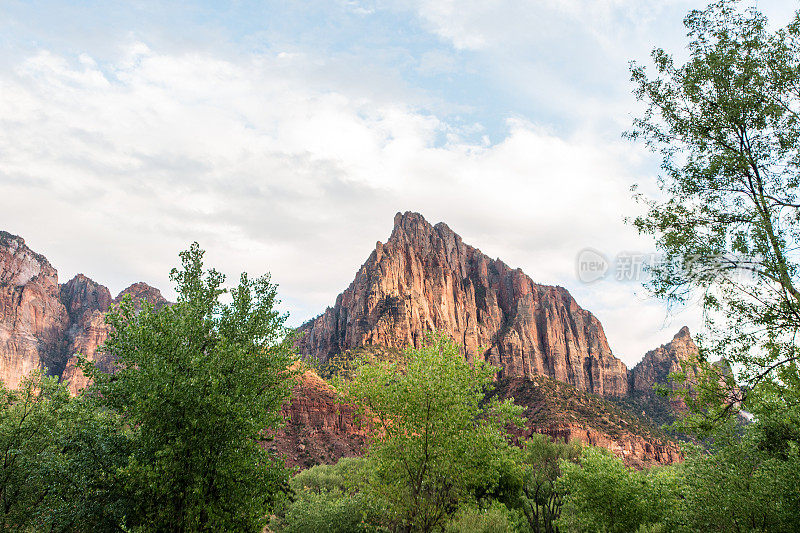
x: 198, y: 383
x: 435, y: 439
x: 171, y: 440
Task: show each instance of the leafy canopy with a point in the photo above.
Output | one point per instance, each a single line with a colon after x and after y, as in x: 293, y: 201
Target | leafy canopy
x: 728, y: 221
x: 435, y: 439
x: 198, y: 383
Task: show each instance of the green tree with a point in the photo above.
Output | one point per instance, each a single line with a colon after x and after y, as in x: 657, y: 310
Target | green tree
x: 435, y: 437
x: 726, y: 124
x: 330, y: 498
x: 29, y: 420
x: 55, y: 453
x: 197, y: 384
x: 542, y: 498
x: 605, y: 495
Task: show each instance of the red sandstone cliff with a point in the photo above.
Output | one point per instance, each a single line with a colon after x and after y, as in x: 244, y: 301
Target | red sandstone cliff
x: 425, y: 278
x: 33, y: 321
x: 87, y: 303
x: 44, y: 324
x: 319, y: 429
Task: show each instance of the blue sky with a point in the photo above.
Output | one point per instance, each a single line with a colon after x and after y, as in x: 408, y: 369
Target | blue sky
x: 283, y: 136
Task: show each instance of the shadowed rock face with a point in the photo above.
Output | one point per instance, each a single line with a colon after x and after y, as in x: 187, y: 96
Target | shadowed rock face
x: 426, y: 279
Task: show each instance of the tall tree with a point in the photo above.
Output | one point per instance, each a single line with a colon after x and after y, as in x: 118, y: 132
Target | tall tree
x: 435, y: 438
x: 727, y: 127
x: 198, y: 383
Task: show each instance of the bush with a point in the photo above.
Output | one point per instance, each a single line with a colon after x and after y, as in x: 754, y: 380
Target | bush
x: 495, y: 519
x: 328, y: 511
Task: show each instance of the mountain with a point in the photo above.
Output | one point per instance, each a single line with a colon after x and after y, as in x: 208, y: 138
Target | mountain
x: 654, y: 369
x: 33, y: 321
x: 554, y: 356
x: 44, y: 324
x: 425, y: 278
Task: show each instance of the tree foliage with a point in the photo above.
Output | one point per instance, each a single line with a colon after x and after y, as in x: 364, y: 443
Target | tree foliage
x: 435, y: 439
x: 197, y: 384
x: 726, y: 124
x: 542, y: 497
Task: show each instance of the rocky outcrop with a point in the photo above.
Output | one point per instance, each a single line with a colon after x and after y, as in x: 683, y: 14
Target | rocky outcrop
x: 33, y: 321
x: 425, y: 278
x: 87, y: 303
x: 318, y: 428
x: 142, y: 292
x: 656, y: 365
x: 559, y: 410
x: 44, y: 324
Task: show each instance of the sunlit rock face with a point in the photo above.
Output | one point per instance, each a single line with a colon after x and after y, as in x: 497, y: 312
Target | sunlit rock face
x: 33, y: 321
x: 44, y: 324
x: 425, y: 278
x: 657, y: 365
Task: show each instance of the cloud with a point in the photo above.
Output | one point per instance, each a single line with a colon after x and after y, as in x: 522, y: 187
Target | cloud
x: 116, y: 166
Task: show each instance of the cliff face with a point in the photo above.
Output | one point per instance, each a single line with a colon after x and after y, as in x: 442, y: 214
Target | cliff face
x: 33, y: 320
x: 44, y: 324
x: 425, y: 278
x: 87, y: 303
x: 657, y: 365
x: 319, y: 429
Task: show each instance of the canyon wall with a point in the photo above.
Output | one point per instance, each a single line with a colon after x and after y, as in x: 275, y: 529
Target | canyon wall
x: 44, y: 324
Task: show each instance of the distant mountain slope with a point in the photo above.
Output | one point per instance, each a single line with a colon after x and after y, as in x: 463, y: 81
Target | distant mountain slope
x: 554, y: 354
x: 424, y: 278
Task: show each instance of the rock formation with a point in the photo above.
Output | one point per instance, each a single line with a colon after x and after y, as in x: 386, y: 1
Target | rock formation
x: 318, y: 428
x: 44, y: 324
x: 423, y: 279
x: 33, y: 320
x: 657, y: 365
x: 426, y: 279
x: 559, y: 410
x: 141, y: 292
x: 87, y: 303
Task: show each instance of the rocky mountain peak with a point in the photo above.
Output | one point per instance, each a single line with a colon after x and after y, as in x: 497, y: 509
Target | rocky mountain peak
x: 141, y: 291
x: 658, y: 364
x: 426, y: 279
x: 82, y: 295
x: 19, y: 264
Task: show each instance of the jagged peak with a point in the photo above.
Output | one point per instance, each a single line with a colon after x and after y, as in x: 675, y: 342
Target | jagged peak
x: 19, y: 264
x: 143, y: 291
x: 82, y: 294
x: 683, y: 333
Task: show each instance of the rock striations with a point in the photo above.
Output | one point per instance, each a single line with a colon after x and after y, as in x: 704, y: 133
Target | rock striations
x: 33, y: 321
x: 44, y: 324
x: 426, y: 279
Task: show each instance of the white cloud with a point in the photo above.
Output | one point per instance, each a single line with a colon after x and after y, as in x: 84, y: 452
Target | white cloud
x: 112, y: 168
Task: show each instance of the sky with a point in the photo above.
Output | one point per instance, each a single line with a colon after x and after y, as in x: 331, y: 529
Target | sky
x: 284, y: 136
